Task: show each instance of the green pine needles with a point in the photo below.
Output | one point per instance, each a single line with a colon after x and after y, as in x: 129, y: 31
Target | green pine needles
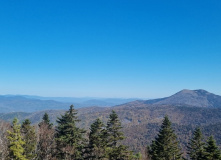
x: 115, y: 150
x: 97, y: 141
x: 69, y: 138
x: 198, y: 150
x: 165, y: 146
x: 30, y: 139
x: 211, y: 150
x: 105, y: 141
x: 196, y: 146
x: 16, y: 149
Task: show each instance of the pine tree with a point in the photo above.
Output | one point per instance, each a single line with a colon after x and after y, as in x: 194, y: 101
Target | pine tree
x: 46, y: 120
x: 97, y: 141
x: 120, y: 152
x: 46, y: 136
x: 114, y: 150
x: 196, y: 146
x: 69, y: 138
x: 113, y: 130
x: 16, y: 150
x: 29, y: 138
x: 165, y: 146
x: 211, y: 150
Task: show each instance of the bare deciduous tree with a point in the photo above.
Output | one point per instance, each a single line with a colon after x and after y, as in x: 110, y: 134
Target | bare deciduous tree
x: 46, y: 142
x: 4, y: 126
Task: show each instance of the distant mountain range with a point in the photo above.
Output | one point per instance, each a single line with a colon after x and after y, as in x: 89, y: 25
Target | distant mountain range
x: 22, y: 104
x: 85, y: 101
x: 141, y: 119
x: 25, y: 103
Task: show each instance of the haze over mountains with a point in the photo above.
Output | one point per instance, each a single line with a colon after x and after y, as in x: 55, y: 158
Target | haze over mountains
x: 24, y: 103
x: 187, y: 98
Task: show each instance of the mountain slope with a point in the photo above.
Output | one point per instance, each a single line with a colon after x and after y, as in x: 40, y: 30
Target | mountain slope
x: 196, y: 98
x: 141, y: 121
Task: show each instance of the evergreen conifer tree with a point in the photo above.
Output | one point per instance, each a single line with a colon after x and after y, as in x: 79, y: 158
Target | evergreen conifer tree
x: 120, y: 152
x: 114, y: 130
x: 29, y: 138
x: 97, y: 141
x: 211, y: 150
x: 165, y: 146
x: 46, y: 120
x: 196, y: 146
x: 69, y: 138
x: 16, y: 150
x: 116, y: 151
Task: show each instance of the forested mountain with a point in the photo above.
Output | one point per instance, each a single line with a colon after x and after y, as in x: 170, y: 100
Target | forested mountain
x: 141, y: 119
x: 35, y: 117
x: 196, y: 98
x: 141, y: 122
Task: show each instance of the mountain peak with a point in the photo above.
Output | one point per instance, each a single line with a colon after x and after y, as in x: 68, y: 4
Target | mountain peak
x: 184, y: 91
x: 201, y: 91
x: 197, y: 98
x: 194, y: 91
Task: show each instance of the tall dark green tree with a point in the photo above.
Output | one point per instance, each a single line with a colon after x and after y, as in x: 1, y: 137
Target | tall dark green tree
x: 30, y: 139
x: 114, y: 130
x: 46, y: 120
x: 115, y: 150
x: 16, y: 150
x: 165, y: 146
x: 196, y: 146
x: 211, y: 150
x: 97, y: 141
x: 69, y: 138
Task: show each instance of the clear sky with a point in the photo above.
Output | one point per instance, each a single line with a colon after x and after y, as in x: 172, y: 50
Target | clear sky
x: 109, y: 48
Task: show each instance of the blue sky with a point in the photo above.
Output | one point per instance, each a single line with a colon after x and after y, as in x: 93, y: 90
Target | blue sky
x: 125, y: 48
